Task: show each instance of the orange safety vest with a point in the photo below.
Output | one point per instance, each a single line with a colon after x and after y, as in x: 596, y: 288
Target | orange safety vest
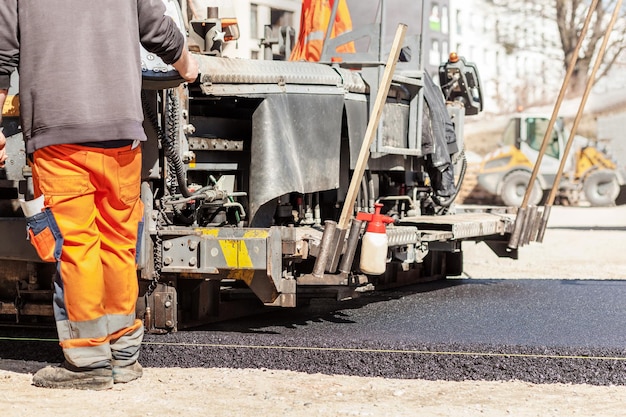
x: 314, y: 21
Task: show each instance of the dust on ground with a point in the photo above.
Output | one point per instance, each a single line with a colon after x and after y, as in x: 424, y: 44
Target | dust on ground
x: 243, y: 392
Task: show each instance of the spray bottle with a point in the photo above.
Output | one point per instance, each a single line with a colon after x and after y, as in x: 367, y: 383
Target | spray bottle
x: 374, y: 243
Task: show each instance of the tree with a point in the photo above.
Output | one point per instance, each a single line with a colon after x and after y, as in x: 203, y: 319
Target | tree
x: 569, y: 17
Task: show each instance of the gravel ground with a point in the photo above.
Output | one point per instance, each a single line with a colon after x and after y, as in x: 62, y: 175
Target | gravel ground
x: 592, y: 250
x: 227, y: 392
x: 580, y: 242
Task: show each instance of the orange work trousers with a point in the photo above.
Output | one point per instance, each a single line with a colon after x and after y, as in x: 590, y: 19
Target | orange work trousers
x: 90, y: 225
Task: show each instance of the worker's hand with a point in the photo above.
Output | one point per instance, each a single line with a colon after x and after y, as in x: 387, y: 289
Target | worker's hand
x: 187, y: 66
x: 3, y: 150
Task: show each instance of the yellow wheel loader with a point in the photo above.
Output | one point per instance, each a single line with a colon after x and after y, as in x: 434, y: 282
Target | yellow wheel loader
x: 589, y: 174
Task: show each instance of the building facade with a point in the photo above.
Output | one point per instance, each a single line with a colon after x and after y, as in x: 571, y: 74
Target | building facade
x: 516, y: 47
x: 436, y: 33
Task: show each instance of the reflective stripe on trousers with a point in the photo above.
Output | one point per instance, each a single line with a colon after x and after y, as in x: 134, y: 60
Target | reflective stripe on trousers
x: 93, y: 195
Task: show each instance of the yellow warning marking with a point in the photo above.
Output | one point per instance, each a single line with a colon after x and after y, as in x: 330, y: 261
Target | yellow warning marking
x: 236, y: 253
x: 209, y: 232
x: 230, y: 249
x: 256, y: 234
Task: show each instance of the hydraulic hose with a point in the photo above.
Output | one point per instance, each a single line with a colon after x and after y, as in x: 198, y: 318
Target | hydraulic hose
x: 169, y: 145
x: 169, y: 142
x: 448, y: 201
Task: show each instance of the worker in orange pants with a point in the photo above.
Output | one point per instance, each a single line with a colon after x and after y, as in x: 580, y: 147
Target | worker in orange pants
x: 82, y: 122
x: 93, y: 214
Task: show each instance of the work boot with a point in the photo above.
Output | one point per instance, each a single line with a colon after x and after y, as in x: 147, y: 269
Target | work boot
x: 124, y: 374
x: 69, y: 376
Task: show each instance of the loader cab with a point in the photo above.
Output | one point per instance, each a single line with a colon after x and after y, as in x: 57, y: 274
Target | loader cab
x: 511, y: 135
x: 526, y: 133
x: 535, y: 132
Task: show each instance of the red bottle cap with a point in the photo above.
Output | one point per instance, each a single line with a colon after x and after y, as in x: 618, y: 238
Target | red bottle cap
x: 376, y: 221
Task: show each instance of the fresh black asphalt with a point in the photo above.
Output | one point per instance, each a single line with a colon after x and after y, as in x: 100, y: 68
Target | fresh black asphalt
x: 542, y: 331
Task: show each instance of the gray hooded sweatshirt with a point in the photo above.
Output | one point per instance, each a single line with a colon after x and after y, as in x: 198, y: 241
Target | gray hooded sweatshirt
x: 79, y: 65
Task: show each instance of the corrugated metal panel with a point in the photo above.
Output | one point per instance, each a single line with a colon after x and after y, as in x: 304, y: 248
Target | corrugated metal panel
x: 241, y: 71
x: 466, y: 225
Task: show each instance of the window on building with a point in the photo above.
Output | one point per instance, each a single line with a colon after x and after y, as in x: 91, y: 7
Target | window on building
x: 498, y: 62
x: 459, y: 22
x: 281, y: 18
x: 434, y: 57
x: 496, y: 30
x: 434, y: 20
x: 254, y: 21
x: 445, y: 21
